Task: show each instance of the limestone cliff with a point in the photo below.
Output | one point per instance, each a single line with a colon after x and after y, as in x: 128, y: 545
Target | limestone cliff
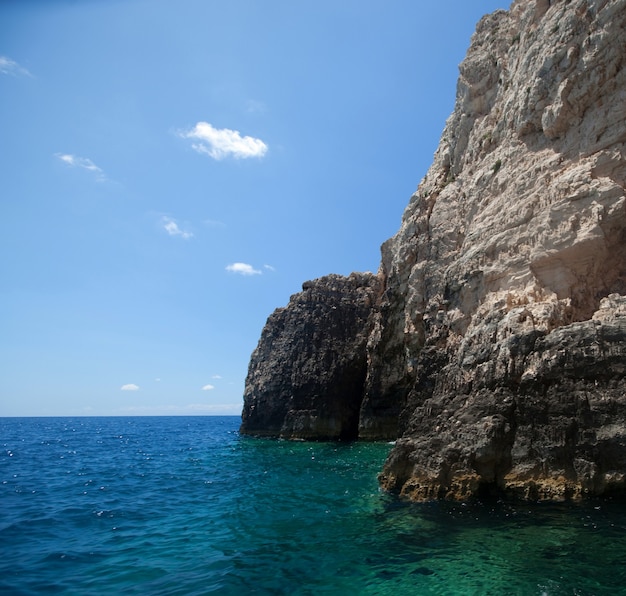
x: 496, y: 346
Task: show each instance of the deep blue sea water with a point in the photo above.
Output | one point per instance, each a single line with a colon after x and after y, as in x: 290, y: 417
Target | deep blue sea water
x: 187, y: 506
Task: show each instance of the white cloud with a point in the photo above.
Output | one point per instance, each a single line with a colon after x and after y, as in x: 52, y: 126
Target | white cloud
x: 129, y: 387
x: 243, y: 269
x: 82, y: 162
x: 255, y: 107
x: 10, y: 67
x: 208, y: 387
x: 269, y: 267
x: 219, y: 143
x: 216, y: 377
x: 172, y: 228
x: 214, y: 223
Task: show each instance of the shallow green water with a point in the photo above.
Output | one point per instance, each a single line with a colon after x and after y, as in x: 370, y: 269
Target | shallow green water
x: 186, y: 506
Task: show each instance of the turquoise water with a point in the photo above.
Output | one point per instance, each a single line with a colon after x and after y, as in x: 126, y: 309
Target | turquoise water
x: 186, y: 506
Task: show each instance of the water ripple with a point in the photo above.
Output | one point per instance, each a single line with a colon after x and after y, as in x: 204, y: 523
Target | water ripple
x: 185, y: 506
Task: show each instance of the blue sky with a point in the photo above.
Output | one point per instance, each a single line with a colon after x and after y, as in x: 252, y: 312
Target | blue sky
x: 172, y: 172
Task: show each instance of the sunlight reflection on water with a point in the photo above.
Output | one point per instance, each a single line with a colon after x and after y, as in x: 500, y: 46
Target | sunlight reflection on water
x: 186, y: 506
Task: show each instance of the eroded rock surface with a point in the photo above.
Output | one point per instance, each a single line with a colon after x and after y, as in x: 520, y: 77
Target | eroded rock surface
x: 522, y: 410
x: 307, y: 374
x: 496, y: 346
x: 514, y: 239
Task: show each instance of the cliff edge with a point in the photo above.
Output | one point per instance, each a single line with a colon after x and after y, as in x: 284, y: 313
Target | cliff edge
x: 493, y: 338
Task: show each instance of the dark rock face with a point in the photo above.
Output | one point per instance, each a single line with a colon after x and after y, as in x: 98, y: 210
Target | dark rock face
x: 544, y: 420
x: 306, y: 377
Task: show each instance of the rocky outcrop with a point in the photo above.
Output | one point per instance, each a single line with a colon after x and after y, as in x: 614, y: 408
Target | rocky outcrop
x: 496, y: 350
x: 306, y: 376
x: 522, y: 410
x: 514, y: 239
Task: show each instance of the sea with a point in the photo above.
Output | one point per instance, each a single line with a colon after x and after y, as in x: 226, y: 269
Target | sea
x: 177, y: 505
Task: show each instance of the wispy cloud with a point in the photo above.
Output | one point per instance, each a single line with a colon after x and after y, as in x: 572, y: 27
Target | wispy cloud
x: 173, y: 229
x: 255, y: 107
x: 269, y: 267
x: 129, y: 387
x: 82, y: 162
x: 208, y: 387
x: 219, y: 143
x: 243, y: 269
x: 10, y: 67
x: 214, y: 223
x: 216, y: 377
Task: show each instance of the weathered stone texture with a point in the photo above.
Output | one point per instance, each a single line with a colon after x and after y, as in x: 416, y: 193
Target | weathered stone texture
x: 531, y: 413
x: 514, y: 239
x: 494, y: 344
x: 306, y: 376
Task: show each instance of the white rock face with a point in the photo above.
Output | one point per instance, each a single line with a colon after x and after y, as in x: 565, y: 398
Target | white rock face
x: 527, y: 186
x: 517, y: 230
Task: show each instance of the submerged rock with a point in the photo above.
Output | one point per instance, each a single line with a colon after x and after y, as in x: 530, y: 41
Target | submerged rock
x: 493, y: 344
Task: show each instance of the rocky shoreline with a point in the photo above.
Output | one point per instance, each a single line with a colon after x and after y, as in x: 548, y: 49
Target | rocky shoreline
x: 491, y: 343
